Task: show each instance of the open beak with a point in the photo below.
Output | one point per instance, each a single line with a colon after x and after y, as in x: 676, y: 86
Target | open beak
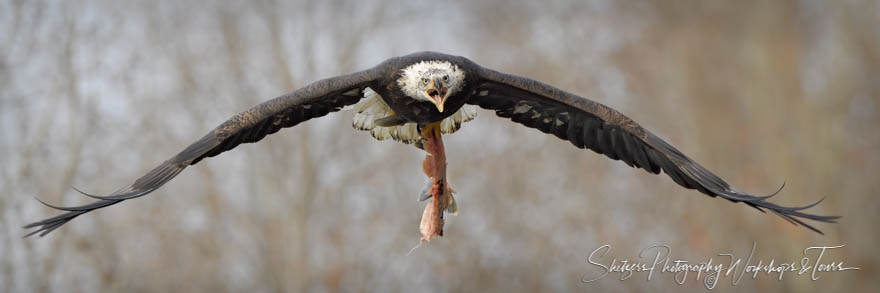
x: 437, y: 92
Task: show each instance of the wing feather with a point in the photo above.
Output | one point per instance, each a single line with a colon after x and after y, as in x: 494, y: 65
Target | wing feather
x: 591, y: 125
x: 314, y: 100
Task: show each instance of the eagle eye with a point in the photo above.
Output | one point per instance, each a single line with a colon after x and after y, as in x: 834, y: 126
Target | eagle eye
x: 425, y: 80
x: 446, y: 78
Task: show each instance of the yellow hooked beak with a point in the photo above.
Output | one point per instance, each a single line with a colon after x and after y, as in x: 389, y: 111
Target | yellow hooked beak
x: 437, y: 92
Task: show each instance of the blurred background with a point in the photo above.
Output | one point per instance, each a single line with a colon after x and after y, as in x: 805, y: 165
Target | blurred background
x: 95, y: 93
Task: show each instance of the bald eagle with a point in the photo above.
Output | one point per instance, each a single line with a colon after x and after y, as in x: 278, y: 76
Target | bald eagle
x: 418, y: 97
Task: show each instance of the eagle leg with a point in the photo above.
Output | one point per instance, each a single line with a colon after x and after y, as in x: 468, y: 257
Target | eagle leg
x: 390, y: 121
x: 438, y: 190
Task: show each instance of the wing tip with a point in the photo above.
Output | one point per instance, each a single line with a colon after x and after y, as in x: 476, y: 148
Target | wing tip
x: 45, y: 226
x: 793, y: 214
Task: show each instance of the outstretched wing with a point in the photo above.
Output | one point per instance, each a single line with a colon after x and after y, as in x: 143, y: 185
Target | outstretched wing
x: 588, y: 124
x: 314, y: 100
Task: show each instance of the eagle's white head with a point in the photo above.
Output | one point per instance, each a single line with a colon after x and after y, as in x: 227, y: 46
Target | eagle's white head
x: 431, y: 81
